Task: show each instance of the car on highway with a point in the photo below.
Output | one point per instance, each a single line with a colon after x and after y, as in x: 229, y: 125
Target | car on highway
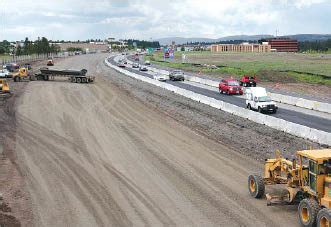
x: 230, y: 87
x: 121, y: 64
x: 258, y: 99
x: 135, y: 65
x: 248, y: 81
x: 143, y: 68
x: 147, y: 63
x: 177, y: 75
x: 160, y: 77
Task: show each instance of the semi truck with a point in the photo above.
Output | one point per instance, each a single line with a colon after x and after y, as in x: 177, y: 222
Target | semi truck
x: 74, y: 76
x: 258, y: 99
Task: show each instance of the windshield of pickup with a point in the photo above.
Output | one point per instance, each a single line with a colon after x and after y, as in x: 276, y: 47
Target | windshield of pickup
x: 264, y: 99
x: 233, y: 83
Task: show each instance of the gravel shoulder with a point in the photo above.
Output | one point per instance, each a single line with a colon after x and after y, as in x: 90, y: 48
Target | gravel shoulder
x: 121, y: 152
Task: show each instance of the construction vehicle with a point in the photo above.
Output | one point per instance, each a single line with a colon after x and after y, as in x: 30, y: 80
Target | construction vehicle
x: 74, y: 76
x: 307, y: 180
x: 4, y: 87
x: 21, y: 75
x: 50, y: 62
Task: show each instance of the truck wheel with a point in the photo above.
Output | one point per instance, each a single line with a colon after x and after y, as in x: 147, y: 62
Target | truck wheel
x: 249, y: 106
x: 254, y: 85
x: 15, y: 79
x: 221, y: 92
x: 256, y: 186
x: 324, y: 218
x: 308, y: 209
x: 84, y: 80
x: 259, y: 109
x: 245, y: 85
x: 228, y: 92
x: 241, y: 83
x: 46, y: 77
x: 79, y: 80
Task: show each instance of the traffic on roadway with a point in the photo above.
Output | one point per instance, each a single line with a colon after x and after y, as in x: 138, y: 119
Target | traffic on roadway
x: 285, y: 114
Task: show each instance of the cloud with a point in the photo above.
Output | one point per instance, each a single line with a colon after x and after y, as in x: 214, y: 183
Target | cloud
x: 145, y: 19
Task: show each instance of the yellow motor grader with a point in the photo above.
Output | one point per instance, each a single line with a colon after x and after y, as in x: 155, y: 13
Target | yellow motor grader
x: 4, y: 87
x: 308, y: 183
x: 22, y: 74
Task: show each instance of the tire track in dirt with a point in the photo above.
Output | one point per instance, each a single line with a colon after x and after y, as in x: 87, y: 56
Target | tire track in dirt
x: 96, y: 156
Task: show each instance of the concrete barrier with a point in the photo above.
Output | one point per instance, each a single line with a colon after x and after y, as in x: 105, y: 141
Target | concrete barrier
x: 286, y: 99
x: 270, y: 121
x: 291, y: 100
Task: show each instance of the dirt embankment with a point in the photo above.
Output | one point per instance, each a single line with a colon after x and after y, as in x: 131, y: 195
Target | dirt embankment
x: 121, y: 152
x: 116, y: 153
x: 15, y: 207
x: 15, y: 204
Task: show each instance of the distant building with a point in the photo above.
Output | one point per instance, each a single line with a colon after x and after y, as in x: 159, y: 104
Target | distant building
x: 244, y: 47
x: 283, y: 44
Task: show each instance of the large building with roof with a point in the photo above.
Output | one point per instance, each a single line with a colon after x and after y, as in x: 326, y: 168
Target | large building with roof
x: 244, y: 47
x: 283, y: 44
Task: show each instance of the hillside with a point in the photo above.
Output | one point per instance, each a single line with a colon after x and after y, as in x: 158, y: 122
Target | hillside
x: 299, y: 37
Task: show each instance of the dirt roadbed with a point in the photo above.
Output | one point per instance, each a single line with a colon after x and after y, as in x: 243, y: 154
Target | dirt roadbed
x: 120, y: 152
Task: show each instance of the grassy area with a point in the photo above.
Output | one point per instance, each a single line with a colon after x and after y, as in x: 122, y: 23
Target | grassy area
x: 5, y: 57
x: 277, y: 67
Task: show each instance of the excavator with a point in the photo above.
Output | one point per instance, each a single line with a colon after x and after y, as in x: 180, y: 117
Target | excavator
x: 307, y: 180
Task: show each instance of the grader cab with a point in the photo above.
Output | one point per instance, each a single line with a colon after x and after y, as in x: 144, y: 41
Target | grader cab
x: 308, y: 183
x: 21, y: 74
x: 4, y: 87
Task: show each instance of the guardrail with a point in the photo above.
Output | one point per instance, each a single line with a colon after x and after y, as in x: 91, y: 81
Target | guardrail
x: 315, y: 135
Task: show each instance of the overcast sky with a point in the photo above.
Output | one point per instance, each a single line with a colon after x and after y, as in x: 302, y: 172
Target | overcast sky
x: 152, y: 19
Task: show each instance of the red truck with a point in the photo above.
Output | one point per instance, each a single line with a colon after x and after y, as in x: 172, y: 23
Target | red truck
x: 230, y: 86
x: 248, y: 81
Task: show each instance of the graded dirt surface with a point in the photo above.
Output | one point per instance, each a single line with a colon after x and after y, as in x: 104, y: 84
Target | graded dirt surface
x: 94, y: 155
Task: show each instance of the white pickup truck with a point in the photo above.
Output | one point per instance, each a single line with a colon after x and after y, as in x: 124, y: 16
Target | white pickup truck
x: 258, y: 99
x: 4, y: 73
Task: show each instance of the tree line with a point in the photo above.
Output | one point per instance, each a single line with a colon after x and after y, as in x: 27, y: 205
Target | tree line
x: 318, y: 46
x: 4, y: 47
x: 39, y: 46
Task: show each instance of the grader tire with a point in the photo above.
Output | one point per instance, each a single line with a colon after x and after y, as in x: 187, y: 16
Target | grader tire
x: 308, y: 209
x: 256, y: 186
x: 324, y: 218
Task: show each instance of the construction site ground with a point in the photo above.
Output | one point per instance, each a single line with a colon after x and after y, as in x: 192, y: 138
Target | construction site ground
x: 121, y: 152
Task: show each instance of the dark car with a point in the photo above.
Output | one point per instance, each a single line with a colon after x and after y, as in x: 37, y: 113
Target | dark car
x: 230, y: 87
x: 177, y: 75
x: 12, y: 67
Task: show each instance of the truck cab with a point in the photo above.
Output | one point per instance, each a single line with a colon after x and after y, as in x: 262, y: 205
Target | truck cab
x: 248, y: 81
x: 258, y: 99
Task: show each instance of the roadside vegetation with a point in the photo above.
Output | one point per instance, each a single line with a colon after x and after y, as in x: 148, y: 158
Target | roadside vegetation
x: 272, y: 67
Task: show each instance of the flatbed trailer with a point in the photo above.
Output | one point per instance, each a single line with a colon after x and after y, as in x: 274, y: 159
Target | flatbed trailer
x: 74, y: 76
